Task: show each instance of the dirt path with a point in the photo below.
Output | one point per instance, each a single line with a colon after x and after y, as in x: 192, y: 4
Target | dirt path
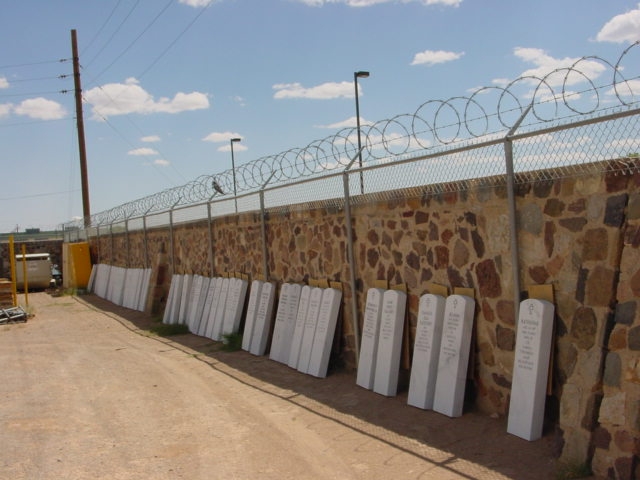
x: 86, y: 392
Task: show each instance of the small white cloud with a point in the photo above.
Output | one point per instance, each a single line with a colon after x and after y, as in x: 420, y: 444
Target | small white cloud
x: 218, y: 137
x: 5, y: 109
x: 348, y: 123
x: 196, y: 3
x: 128, y: 97
x: 162, y: 162
x: 324, y: 91
x: 621, y: 28
x: 545, y: 64
x: 370, y: 3
x: 41, y: 109
x: 433, y: 57
x: 150, y: 139
x: 237, y: 147
x: 4, y: 83
x: 142, y: 152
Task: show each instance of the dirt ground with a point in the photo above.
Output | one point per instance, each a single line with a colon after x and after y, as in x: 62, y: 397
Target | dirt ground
x: 87, y: 392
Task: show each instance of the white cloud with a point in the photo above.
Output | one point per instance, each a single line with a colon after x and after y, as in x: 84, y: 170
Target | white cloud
x: 237, y: 147
x: 545, y: 64
x: 323, y: 91
x: 125, y: 98
x: 621, y: 28
x: 5, y: 109
x: 150, y: 139
x: 41, y: 109
x: 369, y: 3
x: 433, y: 57
x: 162, y: 162
x: 219, y: 137
x: 4, y: 83
x: 349, y: 122
x: 142, y: 152
x: 196, y: 3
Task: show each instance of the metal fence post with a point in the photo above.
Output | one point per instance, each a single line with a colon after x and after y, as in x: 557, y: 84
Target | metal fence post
x: 263, y: 229
x: 111, y: 237
x: 171, y: 243
x: 210, y: 236
x: 126, y: 237
x: 99, y: 259
x: 511, y: 201
x: 351, y: 257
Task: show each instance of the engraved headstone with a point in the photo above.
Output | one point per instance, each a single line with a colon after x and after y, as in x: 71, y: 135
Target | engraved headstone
x: 235, y: 304
x: 394, y: 303
x: 262, y: 325
x: 144, y: 289
x: 290, y: 322
x: 177, y: 298
x: 187, y: 280
x: 280, y: 323
x: 199, y: 311
x: 310, y: 322
x: 298, y: 329
x: 369, y: 342
x: 426, y: 350
x: 530, y: 369
x: 194, y: 297
x: 206, y: 309
x: 325, y: 330
x: 218, y: 319
x: 454, y: 355
x: 217, y: 288
x: 252, y: 311
x: 170, y: 299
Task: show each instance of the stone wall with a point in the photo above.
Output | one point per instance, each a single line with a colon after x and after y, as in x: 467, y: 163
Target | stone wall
x: 580, y: 235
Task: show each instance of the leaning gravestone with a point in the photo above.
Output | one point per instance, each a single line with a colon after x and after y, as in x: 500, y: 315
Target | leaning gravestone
x: 325, y: 330
x: 533, y: 350
x: 262, y: 325
x: 369, y: 343
x: 454, y: 355
x: 187, y: 281
x: 217, y: 288
x: 250, y: 316
x: 206, y: 309
x: 298, y: 329
x: 223, y: 299
x: 166, y: 317
x: 194, y: 298
x: 310, y: 322
x: 177, y: 298
x: 426, y: 350
x: 235, y: 304
x: 285, y: 322
x: 198, y: 318
x: 394, y: 303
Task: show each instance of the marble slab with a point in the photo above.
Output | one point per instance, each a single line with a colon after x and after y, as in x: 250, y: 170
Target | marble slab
x: 325, y: 331
x: 310, y: 322
x: 298, y: 329
x: 262, y: 325
x: 252, y: 311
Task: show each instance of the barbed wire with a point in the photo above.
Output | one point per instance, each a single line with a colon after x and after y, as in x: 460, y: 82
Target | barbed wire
x: 488, y: 112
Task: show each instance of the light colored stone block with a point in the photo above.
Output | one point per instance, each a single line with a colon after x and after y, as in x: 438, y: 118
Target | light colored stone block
x: 530, y: 369
x: 394, y: 304
x: 454, y: 355
x: 252, y: 311
x: 325, y: 330
x: 194, y: 298
x: 187, y: 280
x: 206, y: 309
x: 311, y: 320
x: 217, y: 289
x: 262, y: 325
x: 426, y: 351
x: 298, y: 329
x: 369, y: 342
x: 218, y: 319
x: 202, y: 299
x: 285, y: 322
x: 235, y: 304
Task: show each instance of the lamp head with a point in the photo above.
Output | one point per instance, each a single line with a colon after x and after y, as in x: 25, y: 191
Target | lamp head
x: 362, y: 74
x: 235, y: 139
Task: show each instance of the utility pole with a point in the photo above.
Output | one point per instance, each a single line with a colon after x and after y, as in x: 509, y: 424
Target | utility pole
x: 86, y: 210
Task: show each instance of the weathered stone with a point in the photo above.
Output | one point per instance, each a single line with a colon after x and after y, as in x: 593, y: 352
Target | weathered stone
x: 618, y: 339
x: 549, y: 232
x: 521, y: 189
x: 626, y: 312
x: 599, y: 288
x: 633, y: 338
x: 615, y: 182
x: 596, y: 244
x: 397, y: 258
x: 410, y: 278
x: 478, y: 243
x: 592, y: 410
x: 601, y: 438
x: 488, y: 279
x: 538, y: 274
x: 554, y: 207
x: 471, y: 219
x: 625, y: 441
x: 506, y: 312
x: 584, y: 327
x: 446, y: 236
x: 581, y: 285
x: 460, y: 254
x: 505, y: 338
x: 413, y: 260
x: 433, y: 232
x: 501, y: 380
x: 530, y: 219
x: 463, y: 233
x: 543, y: 188
x: 612, y: 370
x: 614, y: 210
x: 625, y: 468
x: 632, y: 235
x: 442, y: 256
x: 634, y: 283
x: 420, y: 248
x: 372, y: 257
x: 386, y: 240
x: 421, y: 217
x: 486, y: 354
x: 574, y: 224
x: 633, y: 207
x: 487, y: 311
x: 373, y: 238
x: 578, y: 206
x: 566, y: 362
x: 455, y: 279
x: 397, y: 237
x: 426, y: 275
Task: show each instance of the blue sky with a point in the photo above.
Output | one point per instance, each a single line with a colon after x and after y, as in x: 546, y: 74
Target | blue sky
x: 166, y: 84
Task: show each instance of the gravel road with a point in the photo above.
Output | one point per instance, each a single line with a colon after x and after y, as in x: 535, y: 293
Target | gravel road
x: 88, y: 393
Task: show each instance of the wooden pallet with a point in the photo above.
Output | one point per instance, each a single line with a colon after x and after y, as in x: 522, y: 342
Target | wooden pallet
x: 6, y: 297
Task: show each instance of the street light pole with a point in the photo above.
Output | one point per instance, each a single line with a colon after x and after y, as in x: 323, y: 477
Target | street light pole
x: 233, y: 168
x: 356, y: 75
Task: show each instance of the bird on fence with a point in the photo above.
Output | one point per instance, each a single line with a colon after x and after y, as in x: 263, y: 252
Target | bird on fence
x: 217, y: 187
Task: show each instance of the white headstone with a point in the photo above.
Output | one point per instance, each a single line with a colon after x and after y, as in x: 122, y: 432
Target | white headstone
x: 280, y: 324
x: 454, y: 355
x: 187, y: 281
x: 194, y: 298
x: 177, y: 298
x: 325, y: 330
x: 235, y: 305
x: 170, y: 299
x: 426, y: 350
x: 290, y: 322
x: 144, y: 289
x: 262, y: 325
x: 394, y: 304
x: 217, y: 288
x: 199, y: 311
x: 310, y: 322
x: 206, y: 309
x: 218, y: 320
x: 369, y: 342
x: 530, y: 369
x: 252, y: 311
x: 298, y: 329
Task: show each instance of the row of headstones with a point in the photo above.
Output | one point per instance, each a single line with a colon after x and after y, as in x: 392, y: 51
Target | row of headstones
x: 126, y: 287
x: 304, y: 324
x: 441, y: 355
x: 210, y: 307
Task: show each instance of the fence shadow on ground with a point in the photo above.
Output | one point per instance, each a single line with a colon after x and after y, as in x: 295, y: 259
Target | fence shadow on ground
x: 432, y: 438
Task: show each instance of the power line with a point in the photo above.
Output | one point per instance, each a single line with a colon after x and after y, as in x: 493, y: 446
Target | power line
x: 36, y: 195
x: 35, y: 63
x: 99, y: 31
